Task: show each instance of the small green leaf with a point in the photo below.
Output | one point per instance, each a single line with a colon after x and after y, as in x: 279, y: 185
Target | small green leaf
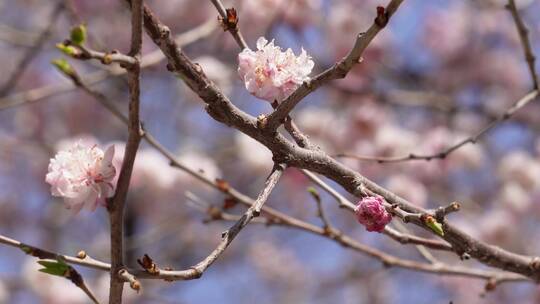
x: 78, y: 34
x: 53, y: 271
x: 63, y: 66
x: 68, y: 49
x: 435, y: 226
x: 313, y: 192
x: 57, y: 268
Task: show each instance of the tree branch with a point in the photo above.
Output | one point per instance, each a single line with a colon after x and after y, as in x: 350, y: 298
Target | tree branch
x: 222, y: 110
x: 524, y: 37
x: 76, y: 278
x: 337, y: 71
x: 245, y: 200
x: 106, y: 58
x: 523, y: 101
x: 394, y: 234
x: 228, y: 236
x: 85, y: 261
x: 386, y: 259
x: 147, y: 60
x: 116, y: 205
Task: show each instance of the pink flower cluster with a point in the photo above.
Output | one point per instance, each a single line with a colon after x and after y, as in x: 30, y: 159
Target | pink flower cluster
x: 370, y: 212
x: 271, y: 74
x: 82, y: 175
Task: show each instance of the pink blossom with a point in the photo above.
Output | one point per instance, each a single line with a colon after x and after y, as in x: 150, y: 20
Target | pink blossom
x: 370, y: 212
x: 82, y: 175
x: 271, y: 74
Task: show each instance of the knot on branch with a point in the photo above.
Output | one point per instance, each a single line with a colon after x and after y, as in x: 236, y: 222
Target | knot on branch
x: 464, y: 256
x: 230, y: 22
x: 197, y: 273
x: 214, y: 213
x: 148, y: 264
x: 262, y: 121
x: 128, y: 277
x: 164, y: 32
x: 382, y: 17
x: 442, y: 212
x: 81, y: 255
x: 535, y: 264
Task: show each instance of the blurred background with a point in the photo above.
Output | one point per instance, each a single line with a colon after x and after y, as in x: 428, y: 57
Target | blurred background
x: 437, y: 74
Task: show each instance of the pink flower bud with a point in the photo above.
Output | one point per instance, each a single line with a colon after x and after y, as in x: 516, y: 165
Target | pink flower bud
x: 370, y: 212
x: 271, y: 74
x: 82, y: 175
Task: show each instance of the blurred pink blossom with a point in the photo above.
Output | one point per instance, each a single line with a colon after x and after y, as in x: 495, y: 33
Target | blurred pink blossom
x: 408, y: 188
x: 217, y: 71
x: 252, y: 153
x: 392, y: 140
x: 515, y: 197
x: 522, y: 168
x: 152, y: 168
x: 201, y: 162
x: 370, y: 212
x: 271, y: 74
x: 326, y: 128
x: 498, y: 225
x: 269, y: 260
x: 469, y: 156
x: 367, y: 117
x: 301, y: 13
x: 447, y: 29
x: 82, y: 175
x: 265, y: 13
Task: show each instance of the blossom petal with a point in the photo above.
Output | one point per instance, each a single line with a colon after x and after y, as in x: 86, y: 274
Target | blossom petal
x: 272, y: 74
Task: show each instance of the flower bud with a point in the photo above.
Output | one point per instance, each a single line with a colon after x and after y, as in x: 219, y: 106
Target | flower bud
x: 371, y: 213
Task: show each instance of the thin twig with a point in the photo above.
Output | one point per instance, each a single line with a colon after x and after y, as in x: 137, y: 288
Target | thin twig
x: 320, y: 210
x: 337, y: 71
x: 443, y: 154
x: 341, y: 200
x: 280, y: 219
x: 300, y: 138
x: 405, y: 238
x: 421, y: 247
x: 524, y: 37
x: 147, y: 60
x: 45, y: 254
x: 76, y: 278
x: 386, y: 259
x: 230, y: 25
x: 106, y: 58
x: 228, y: 236
x: 395, y: 235
x: 33, y: 51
